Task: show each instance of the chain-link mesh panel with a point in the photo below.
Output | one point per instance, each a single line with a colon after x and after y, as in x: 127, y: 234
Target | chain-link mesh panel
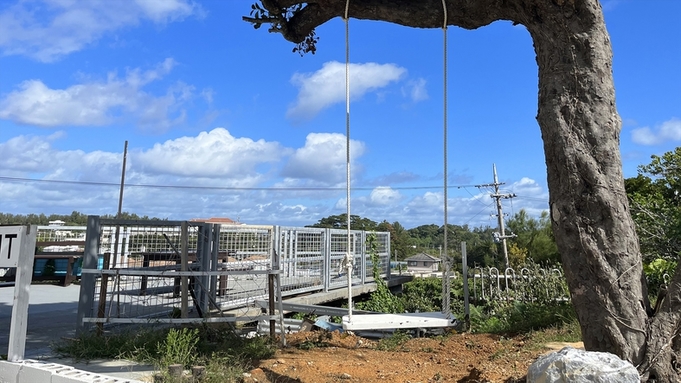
x: 152, y: 250
x: 245, y: 253
x: 302, y: 259
x: 383, y: 249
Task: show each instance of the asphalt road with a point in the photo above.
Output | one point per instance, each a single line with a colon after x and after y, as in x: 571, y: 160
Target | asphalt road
x: 52, y: 315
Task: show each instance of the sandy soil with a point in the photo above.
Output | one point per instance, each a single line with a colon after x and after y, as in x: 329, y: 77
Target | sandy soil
x: 318, y: 357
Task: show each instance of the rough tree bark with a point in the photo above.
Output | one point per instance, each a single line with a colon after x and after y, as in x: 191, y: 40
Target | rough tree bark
x: 580, y: 128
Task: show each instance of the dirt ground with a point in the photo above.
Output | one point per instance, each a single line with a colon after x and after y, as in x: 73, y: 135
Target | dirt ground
x: 318, y: 357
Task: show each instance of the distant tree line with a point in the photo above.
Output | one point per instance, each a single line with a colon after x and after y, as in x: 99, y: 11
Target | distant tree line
x: 73, y: 219
x: 534, y: 239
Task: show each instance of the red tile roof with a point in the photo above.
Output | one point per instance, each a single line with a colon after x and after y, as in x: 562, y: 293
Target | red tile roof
x: 227, y: 221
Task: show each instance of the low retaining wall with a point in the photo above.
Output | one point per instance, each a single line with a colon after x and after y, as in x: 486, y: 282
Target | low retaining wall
x: 31, y: 371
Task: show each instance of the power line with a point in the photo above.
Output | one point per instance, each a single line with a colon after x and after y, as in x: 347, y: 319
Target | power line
x: 156, y: 186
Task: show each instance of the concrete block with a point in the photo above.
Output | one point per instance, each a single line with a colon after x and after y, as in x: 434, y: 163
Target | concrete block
x: 32, y: 373
x: 9, y: 371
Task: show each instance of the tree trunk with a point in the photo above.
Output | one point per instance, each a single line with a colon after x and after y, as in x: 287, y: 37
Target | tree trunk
x: 580, y: 128
x: 589, y: 209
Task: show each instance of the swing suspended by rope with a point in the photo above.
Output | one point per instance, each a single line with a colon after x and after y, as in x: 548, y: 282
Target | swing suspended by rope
x: 403, y: 320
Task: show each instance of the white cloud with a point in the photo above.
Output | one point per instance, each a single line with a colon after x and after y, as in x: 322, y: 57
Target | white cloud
x: 384, y: 196
x: 428, y: 202
x: 326, y: 87
x: 49, y: 29
x: 528, y: 187
x: 416, y: 90
x: 96, y: 103
x: 24, y: 155
x: 210, y: 154
x: 323, y: 158
x: 609, y: 5
x: 668, y: 131
x: 476, y: 209
x: 211, y: 161
x: 168, y: 10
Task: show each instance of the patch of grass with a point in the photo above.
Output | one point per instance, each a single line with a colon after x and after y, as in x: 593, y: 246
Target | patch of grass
x: 179, y: 347
x: 565, y: 332
x: 221, y: 368
x: 140, y: 346
x: 507, y: 346
x: 320, y: 341
x: 394, y: 342
x: 225, y: 354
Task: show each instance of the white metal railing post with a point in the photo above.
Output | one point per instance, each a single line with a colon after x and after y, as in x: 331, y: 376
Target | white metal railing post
x: 276, y: 266
x: 359, y: 240
x: 184, y: 264
x: 326, y: 252
x: 466, y: 293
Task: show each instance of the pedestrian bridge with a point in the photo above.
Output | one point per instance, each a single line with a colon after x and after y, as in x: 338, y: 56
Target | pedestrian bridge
x: 170, y: 271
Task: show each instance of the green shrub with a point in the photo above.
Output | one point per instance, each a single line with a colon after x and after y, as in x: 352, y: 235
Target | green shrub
x: 519, y: 317
x: 655, y: 272
x: 422, y: 294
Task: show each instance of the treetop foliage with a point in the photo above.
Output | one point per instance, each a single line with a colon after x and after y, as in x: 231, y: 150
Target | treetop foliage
x: 655, y: 201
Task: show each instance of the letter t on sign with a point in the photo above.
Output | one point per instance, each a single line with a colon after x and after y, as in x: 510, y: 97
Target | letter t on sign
x: 10, y: 240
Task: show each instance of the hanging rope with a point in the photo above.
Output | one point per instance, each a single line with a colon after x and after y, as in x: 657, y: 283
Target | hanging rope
x: 349, y: 255
x: 446, y: 282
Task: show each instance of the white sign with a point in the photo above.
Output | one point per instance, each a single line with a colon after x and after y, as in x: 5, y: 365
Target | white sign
x: 11, y: 238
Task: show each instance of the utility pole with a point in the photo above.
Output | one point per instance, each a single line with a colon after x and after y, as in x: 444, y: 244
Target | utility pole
x: 500, y: 236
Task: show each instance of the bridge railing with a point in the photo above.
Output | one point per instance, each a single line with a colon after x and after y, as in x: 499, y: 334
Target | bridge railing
x: 135, y: 271
x: 311, y: 258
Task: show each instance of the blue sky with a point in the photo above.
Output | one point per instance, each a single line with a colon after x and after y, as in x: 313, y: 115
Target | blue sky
x: 225, y: 121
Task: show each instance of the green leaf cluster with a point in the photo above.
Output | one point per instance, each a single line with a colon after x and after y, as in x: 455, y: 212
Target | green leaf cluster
x: 655, y: 202
x: 534, y: 239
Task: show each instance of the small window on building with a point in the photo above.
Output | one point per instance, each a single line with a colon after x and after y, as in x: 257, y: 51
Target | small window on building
x: 412, y: 263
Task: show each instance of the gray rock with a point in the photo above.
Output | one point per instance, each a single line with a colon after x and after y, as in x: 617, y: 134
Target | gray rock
x: 571, y: 365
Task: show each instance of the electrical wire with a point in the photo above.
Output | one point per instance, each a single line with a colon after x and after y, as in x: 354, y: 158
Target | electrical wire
x: 235, y: 188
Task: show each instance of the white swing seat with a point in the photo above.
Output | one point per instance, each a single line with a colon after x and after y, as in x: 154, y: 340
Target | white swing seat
x: 398, y: 321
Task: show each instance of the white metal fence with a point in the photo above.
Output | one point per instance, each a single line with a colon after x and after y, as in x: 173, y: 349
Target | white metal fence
x: 526, y: 284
